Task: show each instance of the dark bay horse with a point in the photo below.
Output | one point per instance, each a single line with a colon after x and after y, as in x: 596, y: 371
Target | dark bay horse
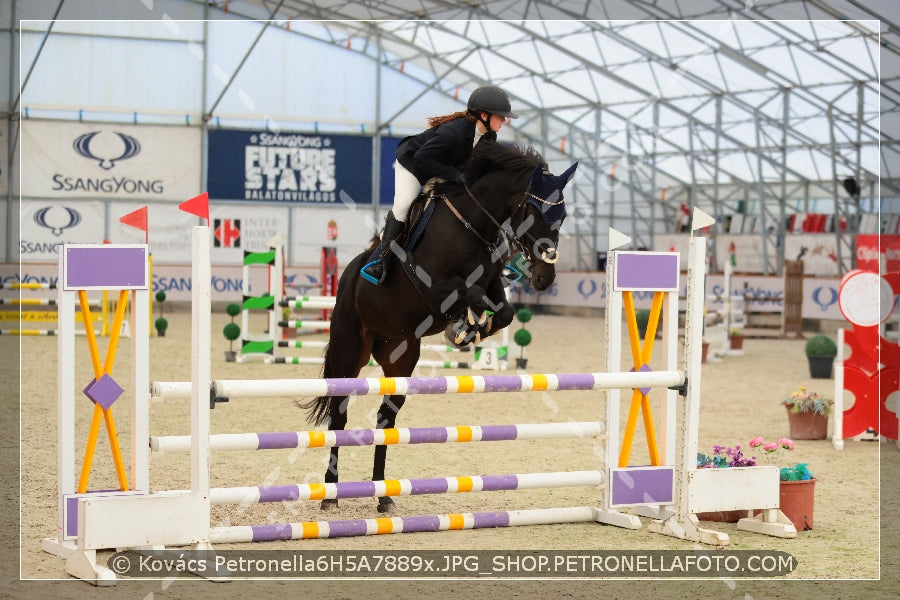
x: 450, y: 282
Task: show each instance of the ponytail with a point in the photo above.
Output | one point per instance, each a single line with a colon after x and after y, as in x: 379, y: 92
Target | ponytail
x: 435, y: 121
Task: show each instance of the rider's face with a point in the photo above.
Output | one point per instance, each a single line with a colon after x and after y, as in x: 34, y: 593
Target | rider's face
x: 496, y: 122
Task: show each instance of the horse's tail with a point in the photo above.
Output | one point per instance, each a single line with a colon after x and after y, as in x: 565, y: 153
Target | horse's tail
x: 318, y: 410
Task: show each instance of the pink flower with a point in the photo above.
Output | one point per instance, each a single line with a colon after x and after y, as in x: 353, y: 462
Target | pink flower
x: 757, y: 441
x: 771, y: 447
x: 786, y: 443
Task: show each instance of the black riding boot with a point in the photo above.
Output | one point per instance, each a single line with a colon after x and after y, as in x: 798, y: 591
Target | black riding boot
x: 376, y: 271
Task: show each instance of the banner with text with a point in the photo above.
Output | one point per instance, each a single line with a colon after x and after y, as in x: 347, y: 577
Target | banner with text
x: 105, y: 160
x: 45, y: 224
x: 290, y: 167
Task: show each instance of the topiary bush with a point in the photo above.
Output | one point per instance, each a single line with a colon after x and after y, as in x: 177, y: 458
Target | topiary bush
x: 821, y: 345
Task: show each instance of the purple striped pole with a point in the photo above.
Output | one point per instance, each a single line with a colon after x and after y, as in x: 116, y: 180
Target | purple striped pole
x: 403, y: 487
x: 413, y: 524
x: 458, y: 384
x: 370, y: 437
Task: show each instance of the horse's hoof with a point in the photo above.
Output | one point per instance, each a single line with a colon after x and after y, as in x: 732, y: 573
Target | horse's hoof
x: 385, y: 505
x: 330, y: 504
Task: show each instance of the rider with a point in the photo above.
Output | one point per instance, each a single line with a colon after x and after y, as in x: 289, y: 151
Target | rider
x: 438, y: 152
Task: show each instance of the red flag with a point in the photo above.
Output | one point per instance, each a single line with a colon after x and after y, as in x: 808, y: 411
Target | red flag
x: 138, y: 220
x: 198, y: 205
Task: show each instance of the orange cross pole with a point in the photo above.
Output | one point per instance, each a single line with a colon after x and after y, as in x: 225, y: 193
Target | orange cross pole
x: 99, y: 411
x: 641, y: 354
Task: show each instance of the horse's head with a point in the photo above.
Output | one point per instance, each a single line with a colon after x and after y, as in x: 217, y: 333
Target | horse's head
x: 537, y: 223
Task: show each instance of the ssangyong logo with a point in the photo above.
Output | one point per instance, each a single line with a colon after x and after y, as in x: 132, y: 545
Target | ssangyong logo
x: 107, y: 152
x: 55, y: 222
x: 82, y: 145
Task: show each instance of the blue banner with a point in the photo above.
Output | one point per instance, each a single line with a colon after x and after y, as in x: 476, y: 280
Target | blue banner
x: 388, y: 156
x: 290, y: 167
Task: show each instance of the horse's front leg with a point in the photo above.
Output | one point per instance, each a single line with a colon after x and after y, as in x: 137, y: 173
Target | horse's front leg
x: 337, y: 421
x: 496, y: 302
x: 387, y: 419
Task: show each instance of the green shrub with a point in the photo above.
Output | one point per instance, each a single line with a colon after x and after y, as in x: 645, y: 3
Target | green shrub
x: 821, y: 345
x: 233, y: 309
x: 161, y: 324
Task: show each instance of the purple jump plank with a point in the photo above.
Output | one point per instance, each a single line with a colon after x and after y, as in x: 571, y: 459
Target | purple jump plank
x: 646, y: 271
x: 105, y: 267
x: 642, y: 486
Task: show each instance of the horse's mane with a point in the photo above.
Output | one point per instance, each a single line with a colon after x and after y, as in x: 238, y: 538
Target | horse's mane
x: 490, y: 156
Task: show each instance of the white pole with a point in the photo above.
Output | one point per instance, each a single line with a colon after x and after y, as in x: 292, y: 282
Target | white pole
x: 66, y: 394
x: 201, y: 319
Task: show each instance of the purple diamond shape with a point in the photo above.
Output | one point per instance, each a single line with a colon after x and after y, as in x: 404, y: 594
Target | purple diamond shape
x: 644, y: 368
x: 103, y: 391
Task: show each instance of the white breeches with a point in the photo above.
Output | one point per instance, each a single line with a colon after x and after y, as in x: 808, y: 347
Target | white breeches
x: 406, y: 190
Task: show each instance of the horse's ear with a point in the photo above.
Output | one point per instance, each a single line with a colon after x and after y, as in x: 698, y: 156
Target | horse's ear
x: 566, y: 177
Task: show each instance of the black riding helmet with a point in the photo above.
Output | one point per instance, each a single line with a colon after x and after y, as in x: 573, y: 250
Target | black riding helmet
x: 491, y: 99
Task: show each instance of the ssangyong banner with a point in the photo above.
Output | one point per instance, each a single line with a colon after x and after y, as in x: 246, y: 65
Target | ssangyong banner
x: 45, y: 224
x: 109, y: 160
x: 290, y: 167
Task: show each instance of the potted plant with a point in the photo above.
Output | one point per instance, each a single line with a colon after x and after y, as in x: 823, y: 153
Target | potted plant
x: 808, y: 414
x: 736, y: 338
x: 722, y: 458
x: 161, y: 325
x: 522, y: 337
x: 797, y: 483
x: 232, y: 331
x: 820, y: 352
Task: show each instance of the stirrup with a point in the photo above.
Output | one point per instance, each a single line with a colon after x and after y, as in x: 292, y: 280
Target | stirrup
x: 366, y: 276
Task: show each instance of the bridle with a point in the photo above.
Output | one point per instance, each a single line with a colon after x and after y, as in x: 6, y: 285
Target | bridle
x: 513, y: 241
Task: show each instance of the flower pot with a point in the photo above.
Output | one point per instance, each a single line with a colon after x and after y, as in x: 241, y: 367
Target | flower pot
x: 820, y: 366
x: 807, y: 425
x: 230, y: 356
x: 704, y: 352
x: 737, y: 342
x: 796, y: 502
x: 521, y: 363
x: 161, y: 332
x: 723, y: 516
x: 288, y: 333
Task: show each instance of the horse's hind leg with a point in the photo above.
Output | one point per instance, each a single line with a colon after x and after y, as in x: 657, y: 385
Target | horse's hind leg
x: 397, y: 360
x: 347, y: 353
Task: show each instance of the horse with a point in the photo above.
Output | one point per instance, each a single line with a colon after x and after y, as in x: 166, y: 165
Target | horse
x: 450, y: 281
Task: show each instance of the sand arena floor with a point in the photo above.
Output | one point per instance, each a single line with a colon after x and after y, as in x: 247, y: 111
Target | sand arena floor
x: 740, y: 400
